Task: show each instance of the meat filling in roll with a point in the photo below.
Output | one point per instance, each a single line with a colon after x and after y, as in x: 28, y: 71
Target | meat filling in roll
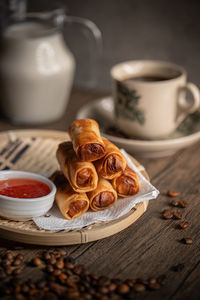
x: 84, y: 177
x: 103, y: 197
x: 88, y: 151
x: 76, y: 207
x: 103, y: 200
x: 81, y: 175
x: 127, y: 184
x: 114, y: 164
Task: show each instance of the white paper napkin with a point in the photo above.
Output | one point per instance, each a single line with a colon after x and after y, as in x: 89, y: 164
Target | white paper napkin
x: 55, y: 220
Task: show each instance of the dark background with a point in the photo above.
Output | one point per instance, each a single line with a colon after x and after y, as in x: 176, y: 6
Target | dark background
x: 133, y: 29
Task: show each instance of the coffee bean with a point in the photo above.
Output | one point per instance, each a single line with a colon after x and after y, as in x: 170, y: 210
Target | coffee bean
x: 178, y: 268
x: 177, y: 215
x: 17, y: 271
x: 73, y: 295
x: 123, y: 289
x: 36, y: 261
x: 8, y: 270
x: 47, y: 255
x: 94, y: 276
x: 139, y: 287
x: 130, y: 282
x: 57, y: 288
x: 52, y: 260
x: 103, y: 290
x: 154, y: 286
x: 172, y: 193
x: 49, y: 268
x: 77, y: 270
x: 9, y: 255
x: 182, y: 204
x: 20, y: 256
x: 187, y: 241
x: 74, y: 278
x: 152, y: 280
x: 183, y: 225
x: 167, y: 214
x: 6, y: 262
x: 62, y: 276
x: 112, y: 287
x: 175, y: 203
x: 62, y: 251
x: 56, y: 272
x: 60, y: 264
x: 17, y: 262
x: 69, y: 265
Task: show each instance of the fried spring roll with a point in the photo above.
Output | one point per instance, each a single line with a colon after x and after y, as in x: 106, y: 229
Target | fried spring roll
x: 112, y: 164
x: 103, y: 196
x: 70, y: 203
x: 81, y: 175
x: 127, y: 184
x: 86, y: 139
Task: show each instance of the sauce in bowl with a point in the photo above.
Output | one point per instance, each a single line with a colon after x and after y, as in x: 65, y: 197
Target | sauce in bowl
x: 23, y: 188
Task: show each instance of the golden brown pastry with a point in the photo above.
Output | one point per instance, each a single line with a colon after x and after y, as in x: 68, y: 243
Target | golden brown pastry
x: 112, y: 164
x: 103, y: 196
x: 81, y: 175
x: 86, y: 139
x: 127, y: 184
x: 70, y: 203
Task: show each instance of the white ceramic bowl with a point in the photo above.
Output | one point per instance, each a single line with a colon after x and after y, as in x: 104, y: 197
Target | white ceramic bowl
x: 25, y: 208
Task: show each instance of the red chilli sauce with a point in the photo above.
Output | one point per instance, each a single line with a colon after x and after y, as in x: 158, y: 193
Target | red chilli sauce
x: 23, y: 188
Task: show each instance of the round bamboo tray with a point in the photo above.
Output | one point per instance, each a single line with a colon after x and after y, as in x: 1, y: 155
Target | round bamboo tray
x: 34, y: 151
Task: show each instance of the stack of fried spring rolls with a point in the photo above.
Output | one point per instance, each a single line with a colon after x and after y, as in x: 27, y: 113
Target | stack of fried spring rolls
x: 75, y: 162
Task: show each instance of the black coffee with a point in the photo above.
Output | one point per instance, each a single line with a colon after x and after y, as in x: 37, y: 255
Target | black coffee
x: 149, y: 78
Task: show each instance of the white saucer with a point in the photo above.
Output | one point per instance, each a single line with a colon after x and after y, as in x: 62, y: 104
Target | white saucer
x: 102, y: 110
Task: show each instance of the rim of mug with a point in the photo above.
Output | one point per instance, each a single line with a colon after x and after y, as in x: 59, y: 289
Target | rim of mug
x: 173, y: 66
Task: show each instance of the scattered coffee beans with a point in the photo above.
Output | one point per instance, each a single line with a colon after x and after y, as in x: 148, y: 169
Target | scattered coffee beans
x: 177, y: 203
x: 182, y: 204
x: 63, y: 279
x: 183, y: 225
x: 167, y: 214
x: 187, y: 241
x: 177, y: 215
x: 172, y: 193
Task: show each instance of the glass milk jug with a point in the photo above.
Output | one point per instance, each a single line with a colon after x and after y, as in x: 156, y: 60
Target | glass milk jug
x: 37, y: 68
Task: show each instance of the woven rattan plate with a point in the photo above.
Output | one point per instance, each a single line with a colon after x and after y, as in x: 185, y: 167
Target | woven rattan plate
x: 34, y: 151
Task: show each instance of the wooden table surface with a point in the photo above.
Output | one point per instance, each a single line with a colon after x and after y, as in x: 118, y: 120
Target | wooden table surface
x: 151, y: 246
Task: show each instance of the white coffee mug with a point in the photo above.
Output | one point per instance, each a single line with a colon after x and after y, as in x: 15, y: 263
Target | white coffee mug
x: 150, y: 97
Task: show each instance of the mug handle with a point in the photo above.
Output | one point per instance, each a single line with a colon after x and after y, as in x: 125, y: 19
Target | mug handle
x: 184, y: 108
x: 94, y: 37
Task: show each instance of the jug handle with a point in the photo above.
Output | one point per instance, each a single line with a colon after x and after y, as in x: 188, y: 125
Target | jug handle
x: 97, y: 36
